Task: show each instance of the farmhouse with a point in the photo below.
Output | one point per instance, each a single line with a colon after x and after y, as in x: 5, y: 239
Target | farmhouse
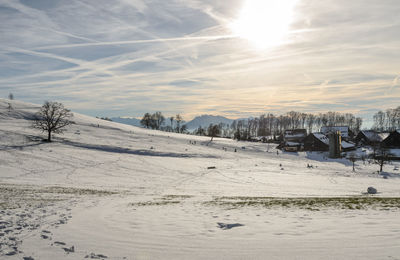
x: 369, y: 137
x: 316, y: 142
x: 320, y: 142
x: 393, y: 140
x: 293, y: 140
x: 295, y: 135
x: 345, y: 132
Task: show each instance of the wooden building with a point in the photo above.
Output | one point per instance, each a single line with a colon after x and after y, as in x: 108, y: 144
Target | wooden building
x: 316, y: 142
x: 294, y: 135
x: 393, y: 140
x: 320, y: 142
x: 369, y: 137
x: 345, y: 132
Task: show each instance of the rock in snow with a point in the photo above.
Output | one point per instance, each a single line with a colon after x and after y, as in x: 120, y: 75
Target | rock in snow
x: 371, y: 190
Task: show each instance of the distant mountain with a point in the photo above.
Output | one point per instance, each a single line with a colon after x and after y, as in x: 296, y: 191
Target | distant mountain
x: 205, y: 120
x: 127, y: 120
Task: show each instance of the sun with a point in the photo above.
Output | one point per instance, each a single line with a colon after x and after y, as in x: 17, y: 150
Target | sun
x: 265, y: 23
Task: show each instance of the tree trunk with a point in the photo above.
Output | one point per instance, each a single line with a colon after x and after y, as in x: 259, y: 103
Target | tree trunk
x: 49, y: 136
x: 381, y: 164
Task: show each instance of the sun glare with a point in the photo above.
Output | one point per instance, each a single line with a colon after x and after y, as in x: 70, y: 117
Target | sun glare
x: 264, y: 23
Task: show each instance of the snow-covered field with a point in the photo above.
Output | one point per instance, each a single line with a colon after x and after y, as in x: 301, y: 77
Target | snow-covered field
x: 107, y: 190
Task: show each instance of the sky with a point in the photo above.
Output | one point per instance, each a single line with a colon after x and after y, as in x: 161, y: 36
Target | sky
x: 234, y: 58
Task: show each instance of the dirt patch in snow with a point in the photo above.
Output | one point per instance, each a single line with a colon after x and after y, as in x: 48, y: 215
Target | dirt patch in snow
x: 310, y: 203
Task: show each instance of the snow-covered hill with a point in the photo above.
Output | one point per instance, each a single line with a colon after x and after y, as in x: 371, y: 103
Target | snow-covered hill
x: 105, y: 189
x: 127, y: 120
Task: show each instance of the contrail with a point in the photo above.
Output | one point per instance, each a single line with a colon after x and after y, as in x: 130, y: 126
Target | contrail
x: 209, y: 38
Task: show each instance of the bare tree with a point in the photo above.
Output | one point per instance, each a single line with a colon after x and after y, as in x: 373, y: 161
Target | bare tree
x: 200, y: 131
x: 158, y: 119
x: 183, y: 129
x: 353, y: 158
x: 146, y: 120
x: 382, y: 157
x: 213, y: 131
x: 52, y: 118
x: 310, y: 122
x: 178, y: 119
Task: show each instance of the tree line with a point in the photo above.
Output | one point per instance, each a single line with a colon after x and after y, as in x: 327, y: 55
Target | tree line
x: 388, y: 120
x: 157, y: 121
x: 274, y: 125
x: 264, y: 125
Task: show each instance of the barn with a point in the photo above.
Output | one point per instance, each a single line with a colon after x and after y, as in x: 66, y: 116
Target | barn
x: 369, y: 137
x: 345, y: 132
x: 320, y: 142
x: 293, y: 140
x: 393, y: 140
x: 295, y: 135
x: 316, y: 142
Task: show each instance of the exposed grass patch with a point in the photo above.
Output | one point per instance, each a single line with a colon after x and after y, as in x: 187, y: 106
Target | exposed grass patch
x: 78, y: 191
x: 17, y: 196
x: 163, y: 201
x: 7, y: 188
x: 172, y: 197
x: 154, y: 203
x: 309, y: 203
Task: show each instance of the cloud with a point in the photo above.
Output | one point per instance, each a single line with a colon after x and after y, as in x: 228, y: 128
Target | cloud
x: 124, y: 57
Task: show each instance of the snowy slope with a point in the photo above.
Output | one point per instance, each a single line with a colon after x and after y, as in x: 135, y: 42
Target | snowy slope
x: 127, y: 120
x: 108, y: 189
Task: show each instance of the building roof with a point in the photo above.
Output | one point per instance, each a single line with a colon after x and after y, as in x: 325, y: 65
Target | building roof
x: 347, y: 145
x: 374, y: 136
x: 344, y: 130
x: 323, y: 138
x: 292, y: 144
x: 295, y: 133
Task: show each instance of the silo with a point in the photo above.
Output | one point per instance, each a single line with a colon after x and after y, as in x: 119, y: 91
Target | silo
x: 335, y: 145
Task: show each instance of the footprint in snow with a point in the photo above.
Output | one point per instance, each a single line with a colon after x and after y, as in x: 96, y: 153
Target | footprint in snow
x: 96, y: 256
x: 225, y: 226
x: 69, y: 250
x: 58, y: 243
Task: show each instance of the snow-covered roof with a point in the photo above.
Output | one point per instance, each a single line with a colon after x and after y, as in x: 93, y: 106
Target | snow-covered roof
x: 292, y: 144
x: 323, y: 138
x: 344, y: 130
x: 394, y: 152
x: 295, y: 134
x: 346, y: 145
x: 374, y: 136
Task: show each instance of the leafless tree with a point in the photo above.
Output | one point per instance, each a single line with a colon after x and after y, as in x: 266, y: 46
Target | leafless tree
x: 353, y: 158
x: 178, y: 119
x: 158, y: 119
x: 382, y: 157
x: 172, y: 121
x: 213, y: 131
x: 146, y: 120
x: 52, y: 118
